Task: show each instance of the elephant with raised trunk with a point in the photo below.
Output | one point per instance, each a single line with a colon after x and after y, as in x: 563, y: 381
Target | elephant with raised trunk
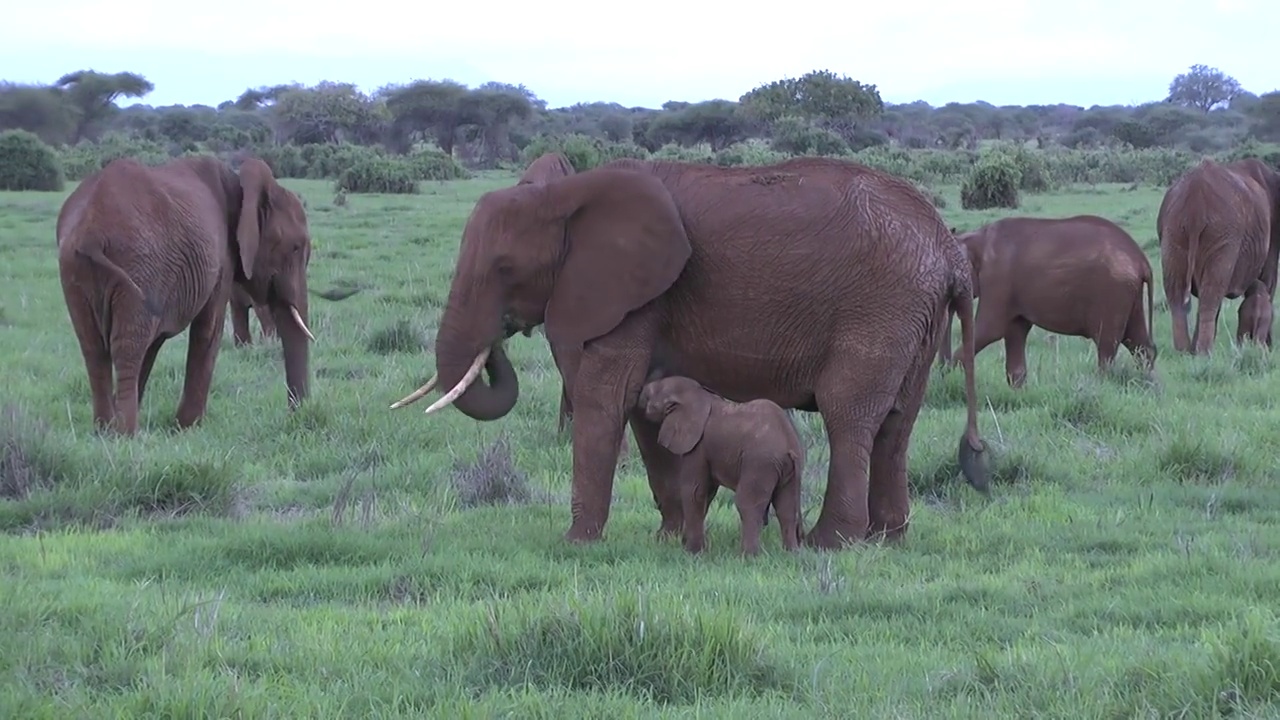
x: 816, y: 283
x: 145, y: 252
x: 1082, y: 276
x: 1219, y: 229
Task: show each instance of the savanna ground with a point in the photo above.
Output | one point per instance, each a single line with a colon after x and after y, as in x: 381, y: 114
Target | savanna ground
x: 351, y: 561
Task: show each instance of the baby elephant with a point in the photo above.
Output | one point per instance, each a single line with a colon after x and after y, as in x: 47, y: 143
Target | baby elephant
x: 1255, y: 315
x: 750, y: 448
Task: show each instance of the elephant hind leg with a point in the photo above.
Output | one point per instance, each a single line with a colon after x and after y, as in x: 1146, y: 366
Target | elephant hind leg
x: 854, y: 403
x: 888, y: 498
x: 97, y: 363
x: 1015, y: 351
x: 1136, y: 339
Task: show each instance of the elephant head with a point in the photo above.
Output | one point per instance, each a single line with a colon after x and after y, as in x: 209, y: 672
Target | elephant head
x: 273, y: 246
x: 576, y: 253
x: 682, y: 406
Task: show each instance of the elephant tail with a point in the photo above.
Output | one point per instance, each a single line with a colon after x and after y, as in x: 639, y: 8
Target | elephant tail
x: 92, y: 251
x: 972, y: 448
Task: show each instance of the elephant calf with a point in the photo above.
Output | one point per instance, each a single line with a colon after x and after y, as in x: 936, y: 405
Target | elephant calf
x: 751, y: 448
x: 1255, y: 315
x: 1080, y: 275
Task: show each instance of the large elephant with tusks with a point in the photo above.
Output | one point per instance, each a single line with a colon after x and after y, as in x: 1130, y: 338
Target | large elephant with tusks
x: 816, y: 283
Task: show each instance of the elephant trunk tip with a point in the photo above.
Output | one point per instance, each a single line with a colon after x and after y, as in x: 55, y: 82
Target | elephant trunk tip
x: 972, y: 456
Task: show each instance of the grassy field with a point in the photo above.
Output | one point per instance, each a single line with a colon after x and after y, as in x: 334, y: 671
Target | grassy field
x: 350, y: 561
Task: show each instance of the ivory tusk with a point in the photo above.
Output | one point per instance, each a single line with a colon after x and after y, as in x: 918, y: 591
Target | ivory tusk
x: 297, y: 317
x: 416, y: 395
x: 472, y: 373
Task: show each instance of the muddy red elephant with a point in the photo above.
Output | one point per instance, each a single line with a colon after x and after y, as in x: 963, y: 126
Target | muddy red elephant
x: 816, y: 283
x: 146, y: 252
x: 1219, y: 229
x: 1082, y: 276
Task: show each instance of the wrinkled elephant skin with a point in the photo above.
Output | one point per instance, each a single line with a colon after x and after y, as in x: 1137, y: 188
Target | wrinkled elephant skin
x: 1219, y: 229
x: 146, y: 252
x: 1082, y: 276
x: 814, y: 283
x: 1255, y: 316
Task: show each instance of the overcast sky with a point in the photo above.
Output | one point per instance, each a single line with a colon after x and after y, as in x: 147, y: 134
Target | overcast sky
x: 645, y: 53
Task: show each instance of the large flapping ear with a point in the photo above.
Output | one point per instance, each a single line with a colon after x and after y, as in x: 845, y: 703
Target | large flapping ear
x: 255, y: 180
x: 625, y: 245
x: 685, y: 422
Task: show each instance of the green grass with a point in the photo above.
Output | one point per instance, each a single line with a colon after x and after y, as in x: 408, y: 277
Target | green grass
x: 350, y: 561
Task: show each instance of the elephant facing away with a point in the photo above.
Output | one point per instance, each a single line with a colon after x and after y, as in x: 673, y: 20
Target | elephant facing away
x: 145, y: 252
x: 1254, y: 315
x: 240, y: 304
x: 1219, y: 231
x: 815, y: 283
x: 1081, y: 276
x: 750, y: 448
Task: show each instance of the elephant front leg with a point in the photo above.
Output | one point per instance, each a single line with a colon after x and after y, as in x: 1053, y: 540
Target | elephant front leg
x: 695, y: 485
x: 202, y: 353
x: 662, y: 469
x: 265, y: 320
x: 240, y: 324
x: 1015, y: 352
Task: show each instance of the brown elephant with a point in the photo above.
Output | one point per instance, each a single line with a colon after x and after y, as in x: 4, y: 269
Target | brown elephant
x: 144, y: 252
x: 240, y: 304
x: 816, y: 283
x: 1254, y: 315
x: 1219, y: 229
x: 1081, y: 276
x: 750, y: 448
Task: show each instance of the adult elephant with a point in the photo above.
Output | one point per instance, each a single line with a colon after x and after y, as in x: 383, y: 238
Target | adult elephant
x: 1081, y: 275
x: 240, y: 304
x: 145, y: 252
x: 1219, y: 231
x: 816, y: 283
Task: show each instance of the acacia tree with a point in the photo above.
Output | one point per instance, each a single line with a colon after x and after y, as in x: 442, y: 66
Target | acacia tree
x: 93, y: 95
x: 832, y: 102
x: 715, y: 122
x: 330, y: 112
x: 1203, y: 88
x: 38, y: 109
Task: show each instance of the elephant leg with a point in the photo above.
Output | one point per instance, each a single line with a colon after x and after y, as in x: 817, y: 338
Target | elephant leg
x: 987, y: 328
x: 604, y: 389
x: 1178, y: 307
x: 1207, y: 315
x: 240, y: 324
x: 202, y: 354
x: 888, y: 493
x: 1015, y: 351
x: 752, y: 504
x: 693, y: 491
x: 148, y: 360
x: 663, y: 469
x: 98, y: 365
x: 786, y: 505
x: 265, y: 320
x: 1136, y: 338
x: 853, y: 404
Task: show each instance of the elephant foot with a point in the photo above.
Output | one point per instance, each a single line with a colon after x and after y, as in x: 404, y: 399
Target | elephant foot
x: 825, y: 537
x: 582, y: 533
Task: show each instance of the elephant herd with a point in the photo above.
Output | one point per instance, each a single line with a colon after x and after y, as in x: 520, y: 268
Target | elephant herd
x: 814, y: 284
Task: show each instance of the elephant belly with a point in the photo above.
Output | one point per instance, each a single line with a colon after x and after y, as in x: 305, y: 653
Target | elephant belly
x: 741, y: 374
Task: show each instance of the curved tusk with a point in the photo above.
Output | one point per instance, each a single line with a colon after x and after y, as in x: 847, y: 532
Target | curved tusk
x: 297, y: 317
x: 416, y: 395
x: 472, y: 373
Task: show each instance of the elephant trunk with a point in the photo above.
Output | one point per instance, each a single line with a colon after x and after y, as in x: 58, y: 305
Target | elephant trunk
x: 294, y: 339
x: 459, y: 345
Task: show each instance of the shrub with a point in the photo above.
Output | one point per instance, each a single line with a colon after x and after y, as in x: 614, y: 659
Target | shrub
x: 700, y: 153
x: 617, y: 151
x: 285, y: 161
x: 583, y: 151
x: 87, y: 158
x: 373, y: 174
x: 751, y: 152
x: 800, y: 137
x: 993, y: 183
x: 432, y: 164
x: 26, y: 163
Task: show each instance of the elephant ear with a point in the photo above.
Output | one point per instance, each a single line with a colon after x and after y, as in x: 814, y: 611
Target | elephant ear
x: 255, y: 180
x: 685, y: 422
x: 625, y: 244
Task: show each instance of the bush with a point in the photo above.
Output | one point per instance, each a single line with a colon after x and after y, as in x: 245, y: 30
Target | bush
x: 87, y: 158
x: 751, y: 152
x: 26, y: 163
x: 993, y: 183
x: 373, y: 174
x: 285, y: 161
x: 800, y: 137
x: 432, y: 164
x: 583, y: 151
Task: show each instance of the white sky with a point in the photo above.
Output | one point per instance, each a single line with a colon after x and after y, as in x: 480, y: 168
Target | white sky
x: 566, y: 51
